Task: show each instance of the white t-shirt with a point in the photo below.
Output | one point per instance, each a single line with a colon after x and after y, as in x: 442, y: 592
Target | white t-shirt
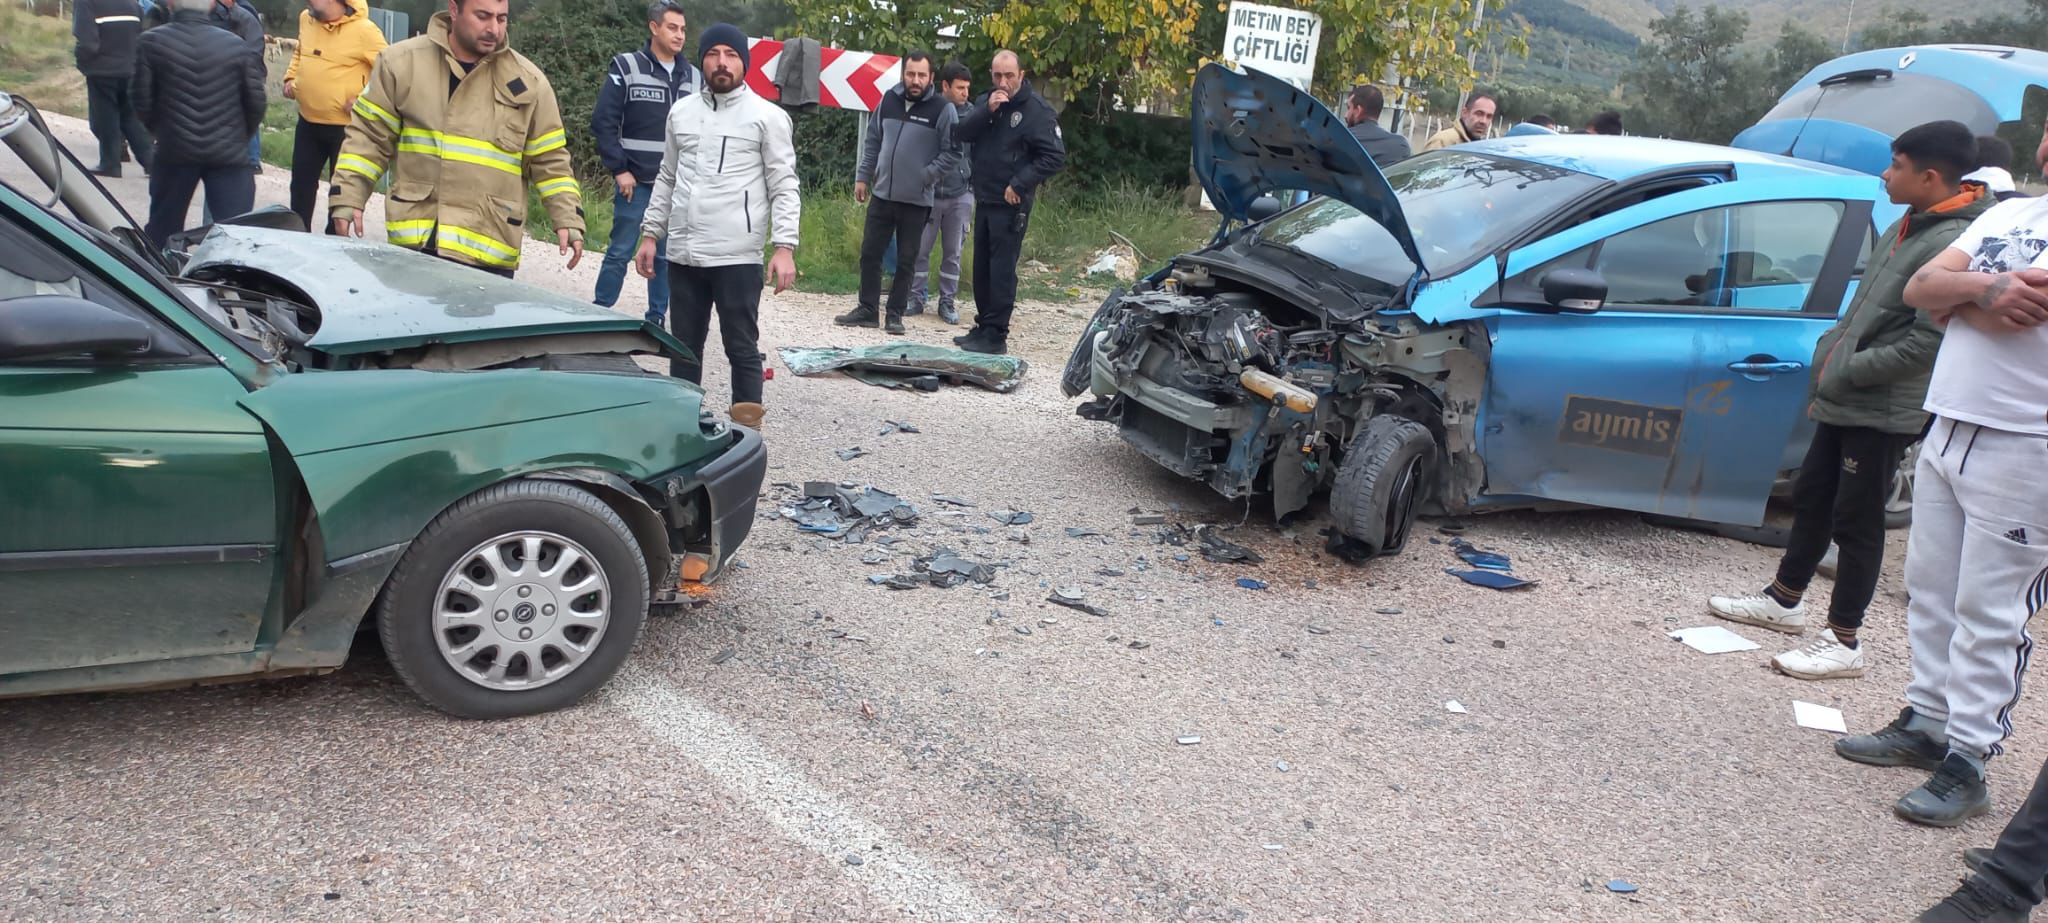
x: 1999, y: 380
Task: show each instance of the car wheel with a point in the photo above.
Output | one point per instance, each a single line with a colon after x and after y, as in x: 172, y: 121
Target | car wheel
x: 1898, y: 508
x: 519, y: 600
x: 1381, y: 484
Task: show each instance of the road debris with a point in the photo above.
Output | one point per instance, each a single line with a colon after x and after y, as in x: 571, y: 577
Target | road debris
x: 1318, y: 630
x: 1188, y: 740
x: 1283, y: 766
x: 850, y: 453
x: 1713, y: 639
x: 1455, y: 707
x: 1251, y: 583
x: 1478, y: 557
x: 1819, y: 717
x: 951, y: 500
x: 723, y: 656
x: 1076, y: 532
x: 1075, y: 597
x: 1148, y: 519
x: 1012, y: 517
x: 900, y: 364
x: 1620, y: 886
x: 896, y: 426
x: 1387, y: 610
x: 1490, y: 579
x: 867, y: 710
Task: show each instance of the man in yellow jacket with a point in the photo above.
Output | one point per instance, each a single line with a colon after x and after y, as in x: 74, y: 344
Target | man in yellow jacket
x: 337, y: 45
x: 1474, y: 121
x: 461, y: 123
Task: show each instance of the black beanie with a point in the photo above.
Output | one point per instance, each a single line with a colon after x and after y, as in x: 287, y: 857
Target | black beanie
x: 730, y: 36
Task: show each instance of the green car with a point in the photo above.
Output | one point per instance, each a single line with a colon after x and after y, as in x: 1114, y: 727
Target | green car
x: 224, y: 462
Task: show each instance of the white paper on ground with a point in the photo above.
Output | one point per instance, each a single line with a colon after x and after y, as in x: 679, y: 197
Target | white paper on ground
x: 1454, y: 707
x: 1819, y: 717
x: 1713, y: 639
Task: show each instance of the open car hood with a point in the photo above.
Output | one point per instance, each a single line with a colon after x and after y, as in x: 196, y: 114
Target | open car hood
x: 375, y: 297
x: 1847, y: 111
x: 1256, y: 133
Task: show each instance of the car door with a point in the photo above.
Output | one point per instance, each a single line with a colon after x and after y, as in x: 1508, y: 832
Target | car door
x: 1680, y: 395
x: 137, y: 512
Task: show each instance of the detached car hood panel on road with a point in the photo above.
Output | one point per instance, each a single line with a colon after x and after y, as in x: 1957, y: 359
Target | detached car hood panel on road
x: 1255, y: 134
x: 374, y: 297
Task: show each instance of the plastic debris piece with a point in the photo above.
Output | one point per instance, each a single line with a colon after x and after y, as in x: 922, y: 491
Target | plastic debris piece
x: 1455, y: 707
x: 948, y: 561
x: 1074, y: 532
x: 1012, y: 517
x: 896, y: 426
x: 1387, y: 610
x: 1148, y: 519
x: 1216, y: 549
x: 1139, y: 645
x: 1620, y: 886
x: 723, y: 656
x: 1490, y: 579
x: 1713, y: 639
x: 892, y: 364
x: 851, y: 453
x: 1478, y: 557
x: 1188, y: 740
x: 1283, y: 766
x: 1819, y: 717
x: 1077, y: 605
x: 951, y: 500
x: 1318, y: 630
x: 1251, y: 584
x: 1273, y: 847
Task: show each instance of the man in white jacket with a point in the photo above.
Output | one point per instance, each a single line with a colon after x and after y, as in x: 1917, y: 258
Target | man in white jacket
x: 728, y: 164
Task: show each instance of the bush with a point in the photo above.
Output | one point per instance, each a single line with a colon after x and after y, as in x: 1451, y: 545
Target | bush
x: 1113, y: 150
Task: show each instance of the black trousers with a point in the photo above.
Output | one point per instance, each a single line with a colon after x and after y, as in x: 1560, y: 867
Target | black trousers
x: 1840, y: 495
x: 2019, y: 862
x: 998, y: 243
x: 734, y: 293
x: 314, y: 147
x: 110, y: 111
x: 903, y: 223
x: 230, y: 191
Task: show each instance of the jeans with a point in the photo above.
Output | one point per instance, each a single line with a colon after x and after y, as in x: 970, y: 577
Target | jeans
x: 314, y: 147
x: 998, y: 242
x: 889, y: 222
x: 111, y: 113
x: 256, y: 150
x: 618, y: 255
x: 2019, y: 862
x: 734, y: 294
x: 230, y: 190
x: 948, y: 225
x: 1840, y: 495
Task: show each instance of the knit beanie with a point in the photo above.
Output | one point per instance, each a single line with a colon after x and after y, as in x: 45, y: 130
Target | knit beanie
x: 730, y: 36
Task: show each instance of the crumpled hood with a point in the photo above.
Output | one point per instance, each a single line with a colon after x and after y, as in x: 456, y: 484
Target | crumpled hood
x: 375, y: 297
x: 1256, y: 133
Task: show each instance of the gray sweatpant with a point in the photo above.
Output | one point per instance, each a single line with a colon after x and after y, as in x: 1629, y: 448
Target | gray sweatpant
x: 950, y: 217
x: 1976, y: 570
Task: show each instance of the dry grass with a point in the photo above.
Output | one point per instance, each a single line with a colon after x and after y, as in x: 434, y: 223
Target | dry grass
x: 36, y: 63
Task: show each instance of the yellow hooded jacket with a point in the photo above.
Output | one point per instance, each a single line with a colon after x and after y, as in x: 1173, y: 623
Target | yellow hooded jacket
x: 333, y: 63
x: 458, y: 163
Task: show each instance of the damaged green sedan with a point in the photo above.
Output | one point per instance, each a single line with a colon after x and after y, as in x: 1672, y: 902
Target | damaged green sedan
x: 223, y: 463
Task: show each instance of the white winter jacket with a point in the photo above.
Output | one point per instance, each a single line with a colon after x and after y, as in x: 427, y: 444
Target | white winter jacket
x: 728, y: 171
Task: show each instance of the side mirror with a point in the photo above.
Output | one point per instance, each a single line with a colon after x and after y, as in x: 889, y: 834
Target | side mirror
x: 1574, y: 291
x: 1263, y: 207
x: 55, y: 326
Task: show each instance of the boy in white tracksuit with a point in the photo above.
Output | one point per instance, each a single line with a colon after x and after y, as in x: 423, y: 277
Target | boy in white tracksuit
x: 728, y: 172
x: 1977, y: 561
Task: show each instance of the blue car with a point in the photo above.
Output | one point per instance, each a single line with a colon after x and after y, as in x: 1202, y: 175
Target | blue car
x: 1528, y: 322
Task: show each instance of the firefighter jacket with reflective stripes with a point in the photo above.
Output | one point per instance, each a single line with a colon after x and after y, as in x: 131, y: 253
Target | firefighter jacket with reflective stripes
x: 632, y: 106
x: 458, y: 162
x: 730, y: 163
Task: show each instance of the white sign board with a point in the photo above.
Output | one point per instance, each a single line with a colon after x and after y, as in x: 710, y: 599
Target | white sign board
x: 1273, y: 39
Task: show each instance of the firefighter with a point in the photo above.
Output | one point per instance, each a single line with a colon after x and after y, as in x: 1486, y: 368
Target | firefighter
x: 459, y: 162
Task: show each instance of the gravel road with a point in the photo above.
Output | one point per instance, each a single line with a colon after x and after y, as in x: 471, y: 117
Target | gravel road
x: 869, y: 754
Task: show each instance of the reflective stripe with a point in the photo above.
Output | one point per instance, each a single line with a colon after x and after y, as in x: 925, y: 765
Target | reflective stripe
x: 459, y: 149
x: 479, y: 247
x: 356, y: 163
x: 648, y: 147
x: 557, y: 186
x: 107, y: 19
x: 409, y: 233
x: 551, y: 141
x: 369, y: 110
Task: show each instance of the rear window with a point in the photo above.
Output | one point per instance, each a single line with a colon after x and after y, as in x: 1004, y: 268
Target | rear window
x: 1888, y: 104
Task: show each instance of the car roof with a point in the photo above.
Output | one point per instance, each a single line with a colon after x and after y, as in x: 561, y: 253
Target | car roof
x: 1622, y: 157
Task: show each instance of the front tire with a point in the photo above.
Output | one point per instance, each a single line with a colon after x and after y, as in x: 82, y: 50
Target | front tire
x: 519, y: 600
x: 1898, y: 508
x: 1381, y: 484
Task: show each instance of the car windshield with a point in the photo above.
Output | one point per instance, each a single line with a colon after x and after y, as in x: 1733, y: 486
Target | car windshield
x: 1460, y: 206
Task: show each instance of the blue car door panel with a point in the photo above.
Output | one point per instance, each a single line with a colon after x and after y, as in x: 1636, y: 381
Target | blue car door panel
x: 1682, y: 393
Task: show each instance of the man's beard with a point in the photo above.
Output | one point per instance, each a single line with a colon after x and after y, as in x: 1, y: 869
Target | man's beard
x: 723, y: 81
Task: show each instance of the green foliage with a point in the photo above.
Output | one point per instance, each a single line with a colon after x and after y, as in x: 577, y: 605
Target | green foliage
x: 1118, y: 150
x: 827, y: 148
x: 1695, y: 82
x: 1566, y: 18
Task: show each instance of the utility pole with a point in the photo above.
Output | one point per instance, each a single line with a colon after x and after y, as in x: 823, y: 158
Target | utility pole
x: 1849, y: 27
x: 1472, y: 54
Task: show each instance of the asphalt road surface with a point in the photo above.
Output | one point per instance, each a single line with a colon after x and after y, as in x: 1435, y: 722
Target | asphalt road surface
x: 807, y: 746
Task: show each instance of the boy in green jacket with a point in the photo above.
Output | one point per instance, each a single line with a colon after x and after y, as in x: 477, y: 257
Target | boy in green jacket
x: 1870, y: 378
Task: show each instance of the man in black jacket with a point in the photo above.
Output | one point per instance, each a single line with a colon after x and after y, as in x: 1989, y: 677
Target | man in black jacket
x: 200, y: 91
x: 106, y: 32
x: 631, y: 125
x: 1016, y: 138
x: 1362, y: 112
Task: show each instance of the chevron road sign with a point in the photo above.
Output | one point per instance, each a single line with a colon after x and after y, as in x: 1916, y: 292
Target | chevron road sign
x: 846, y: 79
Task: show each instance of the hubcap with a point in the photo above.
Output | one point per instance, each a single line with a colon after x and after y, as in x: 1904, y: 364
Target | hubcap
x: 1901, y: 499
x: 521, y: 610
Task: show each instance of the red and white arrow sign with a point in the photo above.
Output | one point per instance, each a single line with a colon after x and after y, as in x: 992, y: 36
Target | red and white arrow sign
x: 846, y: 79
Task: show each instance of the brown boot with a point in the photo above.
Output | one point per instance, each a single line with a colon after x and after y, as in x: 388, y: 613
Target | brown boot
x: 748, y: 415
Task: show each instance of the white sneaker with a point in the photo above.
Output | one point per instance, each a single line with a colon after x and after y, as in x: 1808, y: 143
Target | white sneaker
x: 1825, y: 658
x: 1760, y: 610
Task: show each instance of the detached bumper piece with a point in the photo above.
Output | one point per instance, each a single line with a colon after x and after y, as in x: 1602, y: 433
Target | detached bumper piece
x: 710, y: 511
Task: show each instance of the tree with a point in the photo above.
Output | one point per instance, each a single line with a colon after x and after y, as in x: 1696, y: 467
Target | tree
x: 1692, y: 80
x: 1796, y: 52
x: 1898, y: 27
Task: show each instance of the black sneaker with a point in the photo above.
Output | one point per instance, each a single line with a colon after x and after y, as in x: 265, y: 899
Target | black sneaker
x: 947, y: 312
x: 1976, y: 856
x: 914, y: 308
x: 1955, y: 794
x: 114, y: 173
x: 1893, y: 745
x: 1970, y: 904
x: 859, y: 317
x: 991, y: 345
x: 966, y: 338
x: 895, y: 325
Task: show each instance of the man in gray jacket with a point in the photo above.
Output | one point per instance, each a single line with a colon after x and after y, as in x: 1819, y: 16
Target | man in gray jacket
x: 909, y: 150
x: 952, y: 208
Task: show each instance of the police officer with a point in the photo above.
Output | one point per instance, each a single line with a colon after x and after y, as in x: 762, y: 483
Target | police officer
x: 1016, y: 138
x: 632, y: 108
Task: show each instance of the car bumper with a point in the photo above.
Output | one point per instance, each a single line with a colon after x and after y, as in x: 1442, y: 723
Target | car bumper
x: 712, y: 508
